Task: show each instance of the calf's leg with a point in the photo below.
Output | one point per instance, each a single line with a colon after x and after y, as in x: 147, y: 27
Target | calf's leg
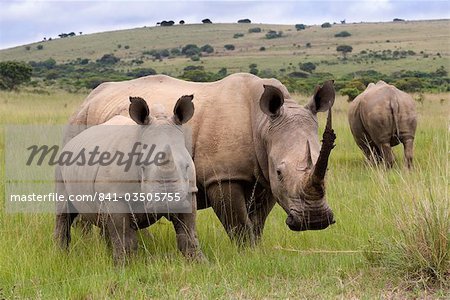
x: 186, y: 233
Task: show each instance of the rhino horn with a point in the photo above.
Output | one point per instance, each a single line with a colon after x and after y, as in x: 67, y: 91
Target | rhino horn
x: 328, y: 138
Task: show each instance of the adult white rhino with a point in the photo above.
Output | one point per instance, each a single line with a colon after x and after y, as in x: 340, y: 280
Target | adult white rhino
x: 382, y: 117
x: 253, y: 146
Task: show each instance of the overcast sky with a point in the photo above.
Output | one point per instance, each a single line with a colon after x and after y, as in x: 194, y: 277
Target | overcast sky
x: 23, y: 22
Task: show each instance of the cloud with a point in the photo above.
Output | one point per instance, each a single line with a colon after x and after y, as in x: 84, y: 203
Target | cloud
x: 29, y: 21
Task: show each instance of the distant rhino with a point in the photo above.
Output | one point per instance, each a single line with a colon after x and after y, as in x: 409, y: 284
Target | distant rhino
x: 131, y: 190
x: 382, y: 117
x: 253, y: 146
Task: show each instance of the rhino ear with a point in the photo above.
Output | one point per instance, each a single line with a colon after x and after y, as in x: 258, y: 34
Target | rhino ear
x: 271, y: 101
x: 139, y: 111
x: 183, y: 110
x: 323, y: 98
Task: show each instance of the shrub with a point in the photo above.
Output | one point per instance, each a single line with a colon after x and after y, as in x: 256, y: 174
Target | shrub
x: 40, y: 47
x: 195, y: 58
x: 253, y: 69
x: 207, y: 48
x: 206, y: 21
x: 273, y: 34
x: 410, y: 84
x: 175, y: 51
x: 262, y: 48
x: 308, y: 45
x: 238, y: 35
x: 108, y: 59
x: 254, y: 30
x: 343, y: 34
x: 298, y: 74
x: 307, y: 67
x: 244, y: 21
x: 140, y: 72
x: 229, y: 47
x: 300, y: 27
x: 326, y: 25
x: 352, y: 93
x: 127, y: 47
x: 28, y: 48
x: 190, y: 50
x: 13, y: 74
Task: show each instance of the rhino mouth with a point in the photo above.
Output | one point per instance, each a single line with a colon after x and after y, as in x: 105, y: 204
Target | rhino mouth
x: 296, y: 223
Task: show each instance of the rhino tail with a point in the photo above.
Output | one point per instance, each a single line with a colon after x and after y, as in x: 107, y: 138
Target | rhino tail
x: 393, y: 104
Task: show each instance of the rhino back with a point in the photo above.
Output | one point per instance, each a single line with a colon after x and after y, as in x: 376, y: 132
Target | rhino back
x: 221, y: 126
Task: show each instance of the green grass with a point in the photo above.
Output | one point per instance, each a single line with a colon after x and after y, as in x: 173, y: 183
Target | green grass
x: 395, y: 222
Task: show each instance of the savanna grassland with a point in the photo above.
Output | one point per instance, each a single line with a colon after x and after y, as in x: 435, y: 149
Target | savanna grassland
x: 391, y: 239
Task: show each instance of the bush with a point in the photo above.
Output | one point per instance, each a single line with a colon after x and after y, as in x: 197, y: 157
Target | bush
x: 40, y: 47
x: 206, y: 21
x: 140, y: 72
x: 108, y: 59
x: 238, y: 35
x: 207, y: 48
x: 13, y: 74
x: 190, y: 50
x: 352, y: 93
x: 195, y: 58
x: 244, y: 21
x: 262, y: 48
x: 175, y: 51
x: 326, y: 25
x: 300, y: 27
x: 229, y: 47
x: 410, y: 84
x: 254, y: 30
x: 253, y: 69
x: 307, y: 67
x: 343, y: 34
x: 298, y: 75
x: 273, y: 34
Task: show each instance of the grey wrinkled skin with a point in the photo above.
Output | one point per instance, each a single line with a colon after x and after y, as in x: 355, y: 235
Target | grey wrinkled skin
x: 118, y: 222
x: 382, y: 117
x: 253, y: 146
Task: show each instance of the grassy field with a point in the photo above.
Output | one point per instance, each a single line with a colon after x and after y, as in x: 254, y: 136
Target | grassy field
x: 425, y: 38
x: 391, y: 235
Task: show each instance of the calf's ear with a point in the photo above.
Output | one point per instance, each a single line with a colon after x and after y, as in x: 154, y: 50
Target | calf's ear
x: 183, y: 110
x: 323, y: 98
x: 139, y: 111
x: 271, y: 101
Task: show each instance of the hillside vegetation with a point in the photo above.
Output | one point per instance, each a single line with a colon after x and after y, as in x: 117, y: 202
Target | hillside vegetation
x: 395, y: 51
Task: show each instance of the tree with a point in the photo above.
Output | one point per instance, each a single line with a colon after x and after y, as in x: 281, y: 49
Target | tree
x: 13, y: 74
x: 307, y: 67
x: 190, y: 50
x: 181, y: 22
x: 244, y: 21
x: 206, y: 21
x: 344, y: 49
x: 326, y: 25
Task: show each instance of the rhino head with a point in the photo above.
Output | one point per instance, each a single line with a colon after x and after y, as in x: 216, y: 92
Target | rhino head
x: 296, y: 163
x: 173, y: 175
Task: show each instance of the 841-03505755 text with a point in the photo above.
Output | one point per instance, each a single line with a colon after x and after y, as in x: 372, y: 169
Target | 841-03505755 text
x: 129, y: 197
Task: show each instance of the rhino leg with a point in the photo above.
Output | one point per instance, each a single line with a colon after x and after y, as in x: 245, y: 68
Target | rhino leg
x: 387, y: 154
x: 122, y: 236
x: 186, y: 233
x: 228, y: 201
x: 258, y: 212
x: 408, y: 146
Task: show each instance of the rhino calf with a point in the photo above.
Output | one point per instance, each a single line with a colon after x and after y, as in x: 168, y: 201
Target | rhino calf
x: 123, y: 215
x: 382, y: 117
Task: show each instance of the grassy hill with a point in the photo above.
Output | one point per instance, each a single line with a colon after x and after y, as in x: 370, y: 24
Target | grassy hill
x: 427, y: 39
